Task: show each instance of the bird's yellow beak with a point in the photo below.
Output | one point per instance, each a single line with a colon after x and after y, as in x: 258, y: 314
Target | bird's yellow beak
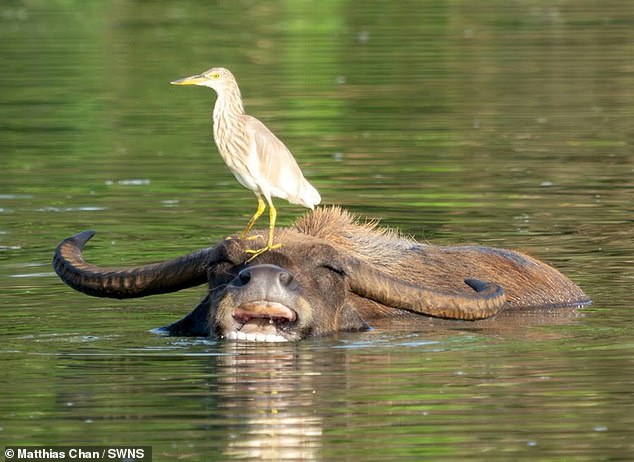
x: 191, y: 80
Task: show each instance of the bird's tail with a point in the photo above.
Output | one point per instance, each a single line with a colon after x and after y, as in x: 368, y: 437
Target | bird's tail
x: 310, y: 196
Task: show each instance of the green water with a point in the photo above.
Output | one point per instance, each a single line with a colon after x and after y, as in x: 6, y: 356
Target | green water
x: 502, y: 123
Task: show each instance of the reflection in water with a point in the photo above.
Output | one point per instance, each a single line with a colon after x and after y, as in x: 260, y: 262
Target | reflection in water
x: 279, y: 398
x: 266, y: 388
x: 449, y: 388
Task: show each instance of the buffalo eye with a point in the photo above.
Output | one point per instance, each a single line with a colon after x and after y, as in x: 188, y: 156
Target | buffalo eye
x: 335, y: 269
x: 329, y: 275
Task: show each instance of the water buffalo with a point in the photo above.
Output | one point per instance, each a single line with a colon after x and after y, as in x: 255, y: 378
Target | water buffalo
x: 331, y: 274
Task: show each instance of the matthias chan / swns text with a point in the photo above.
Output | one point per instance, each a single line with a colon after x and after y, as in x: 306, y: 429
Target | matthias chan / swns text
x: 78, y: 453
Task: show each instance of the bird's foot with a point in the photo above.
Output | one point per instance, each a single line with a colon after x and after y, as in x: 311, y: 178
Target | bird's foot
x: 257, y: 252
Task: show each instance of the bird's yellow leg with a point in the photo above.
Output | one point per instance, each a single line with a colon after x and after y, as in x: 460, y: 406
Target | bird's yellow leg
x: 258, y: 213
x: 269, y: 244
x: 272, y: 219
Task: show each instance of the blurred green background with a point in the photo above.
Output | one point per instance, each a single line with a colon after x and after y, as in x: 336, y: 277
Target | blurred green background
x: 507, y: 123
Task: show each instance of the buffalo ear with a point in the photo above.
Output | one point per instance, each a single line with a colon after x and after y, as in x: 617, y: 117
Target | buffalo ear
x: 231, y: 254
x: 234, y: 250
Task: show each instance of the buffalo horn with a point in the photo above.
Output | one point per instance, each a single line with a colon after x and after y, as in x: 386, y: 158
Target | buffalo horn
x: 180, y: 273
x: 365, y: 280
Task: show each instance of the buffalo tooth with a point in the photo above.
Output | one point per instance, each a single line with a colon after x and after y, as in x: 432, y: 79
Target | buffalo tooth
x: 252, y: 337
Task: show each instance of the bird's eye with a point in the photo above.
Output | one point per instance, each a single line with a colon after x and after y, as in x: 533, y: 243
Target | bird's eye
x: 215, y: 75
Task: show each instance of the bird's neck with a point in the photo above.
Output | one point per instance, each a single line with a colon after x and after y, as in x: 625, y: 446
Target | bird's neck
x: 228, y: 109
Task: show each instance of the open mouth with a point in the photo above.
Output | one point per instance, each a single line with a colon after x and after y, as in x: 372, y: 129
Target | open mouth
x: 262, y: 321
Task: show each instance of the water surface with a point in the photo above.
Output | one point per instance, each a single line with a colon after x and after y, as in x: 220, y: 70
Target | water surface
x: 502, y: 123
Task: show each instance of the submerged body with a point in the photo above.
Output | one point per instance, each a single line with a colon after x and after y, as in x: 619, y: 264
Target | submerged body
x: 332, y: 274
x: 256, y: 157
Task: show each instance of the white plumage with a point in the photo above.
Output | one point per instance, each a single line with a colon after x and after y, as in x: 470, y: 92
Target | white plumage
x: 256, y: 157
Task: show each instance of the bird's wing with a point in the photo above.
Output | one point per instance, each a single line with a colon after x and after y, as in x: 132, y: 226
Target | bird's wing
x: 275, y: 167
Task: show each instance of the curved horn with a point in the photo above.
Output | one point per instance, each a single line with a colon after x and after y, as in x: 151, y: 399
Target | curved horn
x: 369, y: 282
x: 180, y: 273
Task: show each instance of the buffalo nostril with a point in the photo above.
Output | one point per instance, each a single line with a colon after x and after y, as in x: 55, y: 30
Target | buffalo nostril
x: 244, y: 276
x: 285, y: 278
